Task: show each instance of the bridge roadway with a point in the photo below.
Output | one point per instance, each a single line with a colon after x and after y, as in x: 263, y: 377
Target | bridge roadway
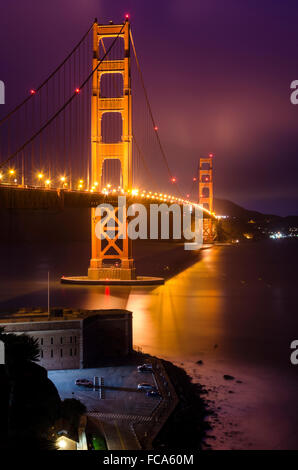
x: 16, y: 197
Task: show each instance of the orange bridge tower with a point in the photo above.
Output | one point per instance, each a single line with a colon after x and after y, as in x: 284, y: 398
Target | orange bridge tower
x: 111, y: 256
x: 206, y: 195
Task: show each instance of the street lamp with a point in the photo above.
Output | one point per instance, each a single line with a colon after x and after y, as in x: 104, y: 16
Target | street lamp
x: 63, y: 181
x: 11, y: 174
x: 39, y: 177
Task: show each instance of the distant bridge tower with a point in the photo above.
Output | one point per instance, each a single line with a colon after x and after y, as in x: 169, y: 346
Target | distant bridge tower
x: 206, y: 195
x: 111, y: 256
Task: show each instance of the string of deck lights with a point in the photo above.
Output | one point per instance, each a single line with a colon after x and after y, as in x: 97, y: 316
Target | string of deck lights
x: 106, y: 191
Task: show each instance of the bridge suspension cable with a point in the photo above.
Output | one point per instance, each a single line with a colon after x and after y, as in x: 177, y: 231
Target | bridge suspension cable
x: 65, y: 105
x: 155, y: 127
x: 31, y: 95
x: 50, y: 141
x: 140, y: 153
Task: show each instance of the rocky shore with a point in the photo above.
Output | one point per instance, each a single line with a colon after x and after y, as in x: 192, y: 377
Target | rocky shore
x: 186, y: 427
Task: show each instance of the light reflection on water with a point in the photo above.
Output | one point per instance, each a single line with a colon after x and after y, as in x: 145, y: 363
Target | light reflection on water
x: 240, y: 299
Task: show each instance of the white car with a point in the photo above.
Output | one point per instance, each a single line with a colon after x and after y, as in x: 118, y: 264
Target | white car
x: 84, y: 382
x: 145, y: 368
x: 147, y: 387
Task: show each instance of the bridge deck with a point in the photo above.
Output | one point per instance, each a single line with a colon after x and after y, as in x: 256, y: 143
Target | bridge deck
x: 15, y: 197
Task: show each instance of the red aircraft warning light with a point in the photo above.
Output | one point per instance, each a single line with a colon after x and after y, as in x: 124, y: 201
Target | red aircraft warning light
x: 32, y: 92
x: 77, y: 90
x: 155, y: 128
x: 173, y: 179
x: 127, y: 16
x: 211, y: 155
x: 194, y: 178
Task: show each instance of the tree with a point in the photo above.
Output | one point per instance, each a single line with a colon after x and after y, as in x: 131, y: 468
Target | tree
x: 20, y: 348
x: 31, y: 403
x: 221, y: 235
x: 71, y: 410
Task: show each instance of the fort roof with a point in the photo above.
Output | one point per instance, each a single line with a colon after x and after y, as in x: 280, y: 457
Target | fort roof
x: 25, y: 315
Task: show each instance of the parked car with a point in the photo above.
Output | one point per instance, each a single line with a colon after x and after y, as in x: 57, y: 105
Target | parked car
x: 153, y: 393
x: 84, y: 382
x: 145, y: 386
x: 145, y: 368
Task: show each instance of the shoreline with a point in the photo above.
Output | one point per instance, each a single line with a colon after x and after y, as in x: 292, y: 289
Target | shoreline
x: 186, y: 425
x: 189, y: 416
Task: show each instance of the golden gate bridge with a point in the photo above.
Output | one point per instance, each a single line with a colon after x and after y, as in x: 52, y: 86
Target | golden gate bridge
x: 87, y: 134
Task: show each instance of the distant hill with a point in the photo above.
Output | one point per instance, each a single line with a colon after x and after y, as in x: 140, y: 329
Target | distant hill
x: 226, y: 207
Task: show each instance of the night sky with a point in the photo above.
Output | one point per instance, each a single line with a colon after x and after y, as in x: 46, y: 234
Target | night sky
x: 218, y: 74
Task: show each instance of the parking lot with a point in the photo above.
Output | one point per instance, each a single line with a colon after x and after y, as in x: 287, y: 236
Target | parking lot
x: 120, y: 393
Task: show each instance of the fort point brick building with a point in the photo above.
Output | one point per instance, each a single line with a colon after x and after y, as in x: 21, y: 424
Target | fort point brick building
x: 73, y: 338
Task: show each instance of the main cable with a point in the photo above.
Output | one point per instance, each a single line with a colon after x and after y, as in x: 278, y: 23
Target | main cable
x: 75, y: 94
x: 46, y: 80
x: 151, y: 113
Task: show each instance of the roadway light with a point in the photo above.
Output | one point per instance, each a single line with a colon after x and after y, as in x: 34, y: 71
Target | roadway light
x: 40, y: 176
x: 63, y: 179
x: 48, y: 182
x: 11, y: 172
x: 1, y: 176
